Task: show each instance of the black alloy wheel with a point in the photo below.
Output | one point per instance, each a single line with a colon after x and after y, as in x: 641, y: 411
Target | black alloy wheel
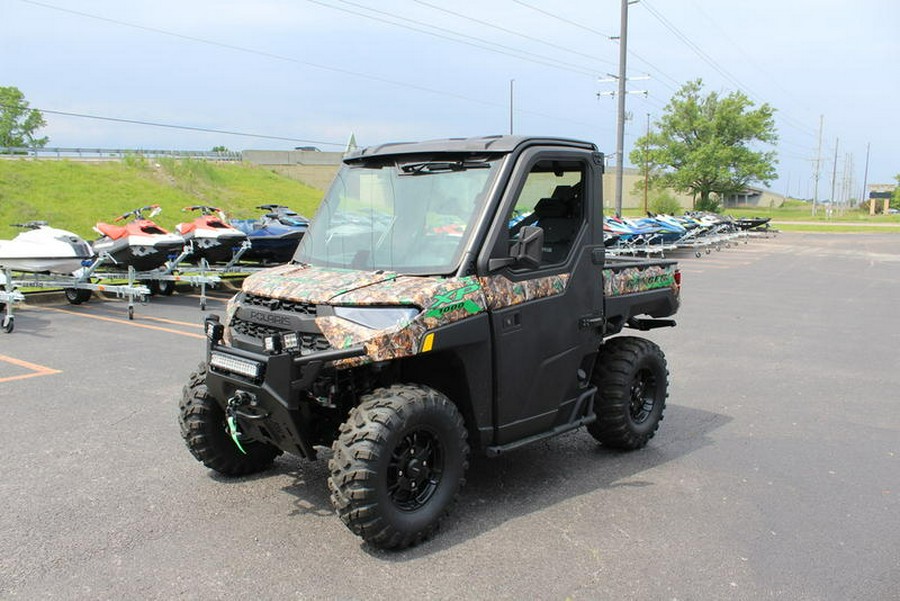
x: 415, y: 469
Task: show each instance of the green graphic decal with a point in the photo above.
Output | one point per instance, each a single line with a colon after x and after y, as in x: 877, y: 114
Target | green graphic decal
x: 453, y: 300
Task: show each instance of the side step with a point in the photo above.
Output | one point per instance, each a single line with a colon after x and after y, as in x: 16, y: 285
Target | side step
x: 644, y: 324
x: 584, y: 406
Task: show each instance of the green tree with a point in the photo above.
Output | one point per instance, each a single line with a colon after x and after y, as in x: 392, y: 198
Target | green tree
x: 18, y: 123
x: 895, y: 197
x: 704, y: 145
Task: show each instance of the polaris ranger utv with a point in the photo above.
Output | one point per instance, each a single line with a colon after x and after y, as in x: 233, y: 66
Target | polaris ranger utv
x: 450, y: 296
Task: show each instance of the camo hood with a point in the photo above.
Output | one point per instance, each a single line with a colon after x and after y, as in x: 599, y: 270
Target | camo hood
x: 317, y: 285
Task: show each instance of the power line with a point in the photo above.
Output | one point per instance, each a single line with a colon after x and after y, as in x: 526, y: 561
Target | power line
x: 750, y: 60
x: 604, y: 35
x: 188, y: 127
x: 510, y: 31
x: 261, y: 53
x: 477, y: 42
x: 564, y: 20
x: 715, y: 65
x: 272, y: 55
x: 694, y: 47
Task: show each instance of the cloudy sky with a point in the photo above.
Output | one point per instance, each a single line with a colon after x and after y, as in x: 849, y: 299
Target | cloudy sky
x: 312, y: 72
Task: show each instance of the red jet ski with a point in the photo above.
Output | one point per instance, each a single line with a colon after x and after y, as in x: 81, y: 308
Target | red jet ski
x: 210, y: 236
x: 139, y: 241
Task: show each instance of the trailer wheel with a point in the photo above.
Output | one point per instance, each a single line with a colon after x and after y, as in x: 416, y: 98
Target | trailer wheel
x: 152, y: 286
x: 166, y: 287
x: 398, y: 465
x: 632, y: 385
x: 76, y: 296
x: 205, y: 432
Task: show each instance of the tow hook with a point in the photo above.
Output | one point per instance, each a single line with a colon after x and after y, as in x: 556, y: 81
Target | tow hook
x: 240, y: 398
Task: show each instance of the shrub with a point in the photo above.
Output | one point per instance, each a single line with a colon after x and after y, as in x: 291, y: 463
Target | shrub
x: 663, y: 202
x: 711, y: 205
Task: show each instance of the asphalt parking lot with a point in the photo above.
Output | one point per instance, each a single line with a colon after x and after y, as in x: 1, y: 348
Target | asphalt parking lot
x: 775, y: 474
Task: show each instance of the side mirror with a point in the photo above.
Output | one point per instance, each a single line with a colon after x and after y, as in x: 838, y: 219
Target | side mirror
x: 526, y: 250
x: 529, y: 248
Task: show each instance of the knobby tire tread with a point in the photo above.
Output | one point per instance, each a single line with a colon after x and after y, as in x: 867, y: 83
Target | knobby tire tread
x: 202, y: 423
x: 363, y: 442
x: 618, y: 360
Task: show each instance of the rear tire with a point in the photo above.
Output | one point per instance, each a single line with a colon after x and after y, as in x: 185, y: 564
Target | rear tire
x: 398, y: 465
x: 205, y: 433
x: 632, y: 385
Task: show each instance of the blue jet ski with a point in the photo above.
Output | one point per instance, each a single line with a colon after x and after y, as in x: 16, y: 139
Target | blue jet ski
x: 274, y: 236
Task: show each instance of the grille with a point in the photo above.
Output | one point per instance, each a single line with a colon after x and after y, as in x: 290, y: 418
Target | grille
x: 254, y: 330
x: 308, y: 342
x: 273, y: 304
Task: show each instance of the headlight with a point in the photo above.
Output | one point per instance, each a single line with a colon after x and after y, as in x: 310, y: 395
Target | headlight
x: 377, y: 318
x: 244, y: 367
x: 214, y: 329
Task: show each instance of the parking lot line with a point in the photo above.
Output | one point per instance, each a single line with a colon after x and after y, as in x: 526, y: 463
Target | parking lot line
x: 173, y: 322
x: 124, y: 322
x: 36, y: 370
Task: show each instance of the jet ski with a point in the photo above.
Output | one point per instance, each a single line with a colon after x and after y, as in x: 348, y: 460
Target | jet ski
x: 209, y: 235
x: 752, y: 223
x: 44, y: 249
x: 274, y: 236
x: 139, y: 242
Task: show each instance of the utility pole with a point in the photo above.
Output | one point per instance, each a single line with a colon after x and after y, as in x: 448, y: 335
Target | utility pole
x: 646, y: 167
x: 862, y: 196
x: 620, y: 119
x: 846, y: 182
x: 818, y: 165
x: 511, y: 85
x: 837, y: 142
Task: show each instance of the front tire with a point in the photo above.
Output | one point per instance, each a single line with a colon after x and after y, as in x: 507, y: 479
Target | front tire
x: 398, y: 465
x: 632, y: 385
x: 205, y: 432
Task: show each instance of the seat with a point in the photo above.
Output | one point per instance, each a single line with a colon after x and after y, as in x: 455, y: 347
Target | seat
x: 560, y: 218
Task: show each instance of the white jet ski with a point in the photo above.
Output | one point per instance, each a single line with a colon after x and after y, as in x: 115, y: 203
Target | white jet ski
x: 44, y: 249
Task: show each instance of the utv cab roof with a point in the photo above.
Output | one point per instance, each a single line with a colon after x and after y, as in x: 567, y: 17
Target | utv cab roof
x: 482, y: 145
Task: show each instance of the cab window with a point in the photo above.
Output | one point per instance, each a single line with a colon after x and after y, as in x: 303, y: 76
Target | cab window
x: 551, y: 199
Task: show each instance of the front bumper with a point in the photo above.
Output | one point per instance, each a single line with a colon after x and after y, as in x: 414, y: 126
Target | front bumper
x: 268, y: 393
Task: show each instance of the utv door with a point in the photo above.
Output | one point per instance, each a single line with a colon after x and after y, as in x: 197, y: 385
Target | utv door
x: 542, y: 354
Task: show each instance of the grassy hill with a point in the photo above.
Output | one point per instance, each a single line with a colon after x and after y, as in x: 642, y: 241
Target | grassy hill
x: 74, y: 195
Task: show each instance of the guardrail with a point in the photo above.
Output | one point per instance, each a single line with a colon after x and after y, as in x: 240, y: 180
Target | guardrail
x: 116, y: 153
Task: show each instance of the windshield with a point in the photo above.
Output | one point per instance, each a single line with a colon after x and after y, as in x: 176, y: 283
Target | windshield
x: 412, y: 216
